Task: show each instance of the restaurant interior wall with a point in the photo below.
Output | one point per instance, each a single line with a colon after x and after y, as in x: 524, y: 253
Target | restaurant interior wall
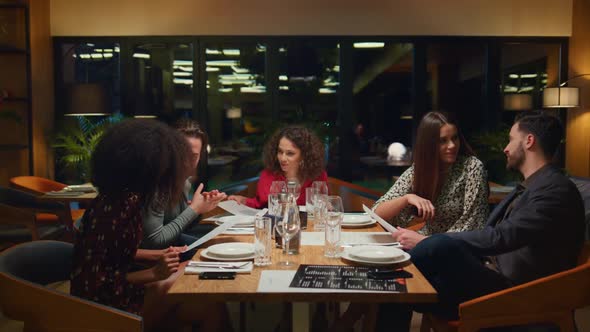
x: 309, y: 17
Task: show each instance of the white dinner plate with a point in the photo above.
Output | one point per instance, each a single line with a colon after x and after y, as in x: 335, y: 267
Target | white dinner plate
x: 368, y: 223
x: 205, y: 253
x: 376, y: 253
x: 241, y: 221
x: 345, y: 255
x: 231, y: 250
x: 355, y: 219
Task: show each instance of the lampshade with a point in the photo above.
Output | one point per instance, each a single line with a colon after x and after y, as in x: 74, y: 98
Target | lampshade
x: 561, y: 97
x: 518, y: 102
x: 87, y: 99
x: 233, y: 113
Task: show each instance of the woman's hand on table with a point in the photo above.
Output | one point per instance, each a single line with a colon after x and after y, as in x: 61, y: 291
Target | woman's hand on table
x: 167, y: 264
x: 407, y: 238
x: 238, y: 198
x: 206, y: 201
x: 425, y: 208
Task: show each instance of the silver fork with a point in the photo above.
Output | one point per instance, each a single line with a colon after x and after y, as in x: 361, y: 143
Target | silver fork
x: 219, y: 266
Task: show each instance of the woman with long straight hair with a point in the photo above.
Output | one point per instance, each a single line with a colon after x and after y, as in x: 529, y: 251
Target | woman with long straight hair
x: 446, y: 185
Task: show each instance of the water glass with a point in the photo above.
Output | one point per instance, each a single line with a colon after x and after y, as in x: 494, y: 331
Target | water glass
x: 287, y: 226
x: 278, y: 187
x: 333, y: 219
x: 294, y: 187
x: 310, y: 193
x: 321, y: 186
x: 320, y: 203
x: 262, y: 241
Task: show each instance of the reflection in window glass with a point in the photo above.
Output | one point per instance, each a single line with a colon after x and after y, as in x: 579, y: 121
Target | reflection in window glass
x: 236, y: 98
x: 455, y: 83
x: 162, y: 83
x: 91, y: 67
x: 308, y: 88
x: 526, y: 71
x: 383, y: 109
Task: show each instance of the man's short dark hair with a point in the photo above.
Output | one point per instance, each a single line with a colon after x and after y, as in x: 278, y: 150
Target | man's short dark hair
x: 546, y: 128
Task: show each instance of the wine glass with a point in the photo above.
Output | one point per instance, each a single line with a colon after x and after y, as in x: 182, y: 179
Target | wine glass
x: 287, y: 226
x: 294, y: 188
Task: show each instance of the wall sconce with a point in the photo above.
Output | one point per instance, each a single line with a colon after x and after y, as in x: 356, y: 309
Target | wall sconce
x: 566, y: 97
x: 87, y: 99
x: 518, y: 102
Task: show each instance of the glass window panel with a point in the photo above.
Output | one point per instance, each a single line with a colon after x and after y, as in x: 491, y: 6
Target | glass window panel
x: 162, y: 83
x: 383, y: 108
x: 456, y: 77
x: 527, y: 68
x: 95, y: 65
x: 236, y: 110
x: 309, y: 82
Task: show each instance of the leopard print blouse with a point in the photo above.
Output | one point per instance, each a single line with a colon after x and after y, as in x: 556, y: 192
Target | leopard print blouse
x: 462, y: 204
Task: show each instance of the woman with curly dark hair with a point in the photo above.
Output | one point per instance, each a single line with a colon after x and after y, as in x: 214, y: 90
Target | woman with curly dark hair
x: 293, y: 153
x: 136, y: 163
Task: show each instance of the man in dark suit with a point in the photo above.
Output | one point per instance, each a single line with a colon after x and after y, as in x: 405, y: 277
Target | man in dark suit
x: 537, y: 230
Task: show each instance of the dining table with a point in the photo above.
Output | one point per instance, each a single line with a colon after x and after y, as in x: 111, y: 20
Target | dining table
x: 188, y: 289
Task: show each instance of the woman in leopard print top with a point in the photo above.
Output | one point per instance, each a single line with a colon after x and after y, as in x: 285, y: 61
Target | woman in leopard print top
x: 449, y: 191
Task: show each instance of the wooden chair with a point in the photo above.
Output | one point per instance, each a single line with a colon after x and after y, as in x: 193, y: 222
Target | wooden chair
x: 38, y: 186
x: 19, y: 213
x: 548, y: 300
x: 25, y: 270
x: 353, y: 196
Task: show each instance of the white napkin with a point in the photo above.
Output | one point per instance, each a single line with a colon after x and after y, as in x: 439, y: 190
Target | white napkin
x: 193, y: 267
x: 239, y: 231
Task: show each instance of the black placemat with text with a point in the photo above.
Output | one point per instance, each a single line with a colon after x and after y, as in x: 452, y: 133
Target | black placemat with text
x: 343, y: 277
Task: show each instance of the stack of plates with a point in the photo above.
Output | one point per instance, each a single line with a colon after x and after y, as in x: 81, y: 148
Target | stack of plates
x: 231, y: 251
x: 376, y: 255
x: 240, y: 221
x: 357, y: 220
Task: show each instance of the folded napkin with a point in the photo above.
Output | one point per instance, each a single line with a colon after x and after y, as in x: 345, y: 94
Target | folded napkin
x: 196, y: 267
x: 64, y: 193
x: 239, y: 231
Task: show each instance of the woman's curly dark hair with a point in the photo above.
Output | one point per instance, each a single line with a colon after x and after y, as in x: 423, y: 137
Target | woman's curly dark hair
x: 312, y: 151
x: 146, y: 157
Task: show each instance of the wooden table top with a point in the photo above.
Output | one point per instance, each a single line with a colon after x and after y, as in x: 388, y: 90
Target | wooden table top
x: 188, y: 288
x: 87, y: 197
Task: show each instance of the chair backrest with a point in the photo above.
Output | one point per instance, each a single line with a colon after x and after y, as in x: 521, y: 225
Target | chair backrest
x: 583, y: 185
x: 25, y: 270
x: 35, y: 184
x: 18, y: 210
x: 245, y: 187
x: 353, y: 196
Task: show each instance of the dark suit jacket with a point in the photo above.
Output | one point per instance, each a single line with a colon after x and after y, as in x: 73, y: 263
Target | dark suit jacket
x: 542, y: 235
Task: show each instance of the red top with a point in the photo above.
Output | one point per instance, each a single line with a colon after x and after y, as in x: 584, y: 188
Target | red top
x: 263, y: 188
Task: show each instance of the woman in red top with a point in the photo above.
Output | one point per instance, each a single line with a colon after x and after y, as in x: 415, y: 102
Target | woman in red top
x: 293, y: 153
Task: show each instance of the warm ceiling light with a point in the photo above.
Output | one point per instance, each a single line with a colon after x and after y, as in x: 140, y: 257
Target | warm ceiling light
x: 369, y: 45
x: 141, y: 55
x: 222, y: 63
x: 231, y: 52
x: 211, y: 69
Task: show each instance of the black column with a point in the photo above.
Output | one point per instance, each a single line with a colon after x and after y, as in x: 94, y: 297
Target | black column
x: 345, y: 109
x: 491, y: 107
x: 419, y: 79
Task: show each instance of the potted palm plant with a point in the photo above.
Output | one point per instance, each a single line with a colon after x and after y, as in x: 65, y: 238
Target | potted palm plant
x: 76, y: 141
